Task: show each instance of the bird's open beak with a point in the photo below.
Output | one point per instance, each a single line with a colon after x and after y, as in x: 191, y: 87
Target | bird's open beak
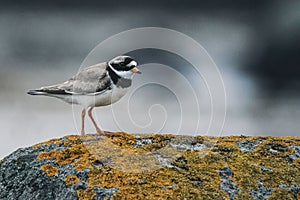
x: 136, y: 70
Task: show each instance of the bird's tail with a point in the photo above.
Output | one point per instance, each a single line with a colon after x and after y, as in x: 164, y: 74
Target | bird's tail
x: 36, y: 92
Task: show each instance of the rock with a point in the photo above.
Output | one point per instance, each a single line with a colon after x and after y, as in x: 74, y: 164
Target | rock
x: 154, y: 166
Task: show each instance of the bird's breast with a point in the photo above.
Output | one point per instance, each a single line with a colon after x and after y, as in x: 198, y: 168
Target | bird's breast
x: 109, y: 97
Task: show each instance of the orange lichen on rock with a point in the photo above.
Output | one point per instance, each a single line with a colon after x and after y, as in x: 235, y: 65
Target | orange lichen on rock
x: 47, y: 155
x: 128, y: 141
x: 50, y: 170
x: 280, y: 193
x: 296, y: 162
x: 166, y: 166
x: 57, y: 141
x: 72, y: 140
x: 71, y: 180
x: 87, y: 194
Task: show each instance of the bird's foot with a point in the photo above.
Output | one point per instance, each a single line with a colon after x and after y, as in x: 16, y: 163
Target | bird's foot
x: 101, y: 132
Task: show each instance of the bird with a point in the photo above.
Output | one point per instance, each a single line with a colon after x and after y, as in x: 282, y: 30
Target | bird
x: 98, y: 85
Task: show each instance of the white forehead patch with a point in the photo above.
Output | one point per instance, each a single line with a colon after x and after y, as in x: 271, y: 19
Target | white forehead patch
x: 117, y: 61
x: 132, y: 63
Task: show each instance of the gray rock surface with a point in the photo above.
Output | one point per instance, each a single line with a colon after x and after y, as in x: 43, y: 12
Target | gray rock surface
x: 22, y: 178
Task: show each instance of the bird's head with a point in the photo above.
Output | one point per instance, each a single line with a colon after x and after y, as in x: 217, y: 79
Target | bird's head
x: 124, y: 66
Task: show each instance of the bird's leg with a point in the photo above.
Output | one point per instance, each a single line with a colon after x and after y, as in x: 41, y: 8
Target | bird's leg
x: 99, y: 131
x: 82, y: 122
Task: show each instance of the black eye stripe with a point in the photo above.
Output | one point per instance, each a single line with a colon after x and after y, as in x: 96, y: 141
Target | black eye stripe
x: 127, y: 60
x: 121, y: 64
x: 121, y: 67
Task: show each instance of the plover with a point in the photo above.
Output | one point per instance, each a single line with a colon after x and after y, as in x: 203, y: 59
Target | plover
x: 98, y: 85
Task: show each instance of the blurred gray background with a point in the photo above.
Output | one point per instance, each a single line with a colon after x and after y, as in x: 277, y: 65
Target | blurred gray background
x: 255, y: 44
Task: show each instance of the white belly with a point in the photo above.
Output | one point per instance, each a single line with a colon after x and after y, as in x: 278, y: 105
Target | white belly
x: 102, y: 99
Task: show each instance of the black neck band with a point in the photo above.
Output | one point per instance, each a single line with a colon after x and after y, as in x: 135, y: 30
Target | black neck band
x: 114, y: 77
x: 118, y: 80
